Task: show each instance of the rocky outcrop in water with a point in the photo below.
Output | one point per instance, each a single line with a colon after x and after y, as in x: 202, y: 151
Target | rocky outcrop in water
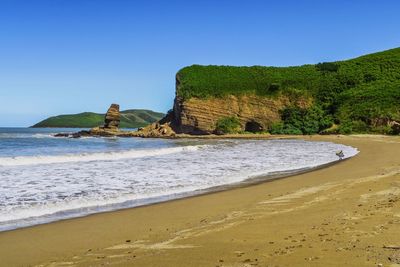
x: 113, y: 117
x: 111, y: 128
x: 112, y: 120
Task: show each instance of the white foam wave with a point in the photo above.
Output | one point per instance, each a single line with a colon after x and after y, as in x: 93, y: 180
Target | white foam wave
x: 40, y: 192
x: 85, y: 157
x: 49, y: 135
x: 24, y: 136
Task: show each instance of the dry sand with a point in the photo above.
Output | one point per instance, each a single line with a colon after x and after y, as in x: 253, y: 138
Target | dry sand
x: 345, y: 215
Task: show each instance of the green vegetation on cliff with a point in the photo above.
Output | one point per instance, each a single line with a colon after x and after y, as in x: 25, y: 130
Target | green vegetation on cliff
x: 132, y: 118
x: 361, y: 94
x: 228, y: 125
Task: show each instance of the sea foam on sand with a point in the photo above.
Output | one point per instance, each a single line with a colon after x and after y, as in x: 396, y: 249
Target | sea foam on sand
x: 43, y: 188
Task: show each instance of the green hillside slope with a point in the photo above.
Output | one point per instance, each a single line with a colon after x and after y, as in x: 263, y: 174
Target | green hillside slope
x: 132, y: 118
x: 361, y: 94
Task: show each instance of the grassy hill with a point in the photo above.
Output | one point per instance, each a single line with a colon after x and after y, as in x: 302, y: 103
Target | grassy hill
x: 132, y: 118
x: 360, y: 95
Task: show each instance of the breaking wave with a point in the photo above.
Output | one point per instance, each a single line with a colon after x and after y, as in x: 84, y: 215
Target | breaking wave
x: 85, y: 157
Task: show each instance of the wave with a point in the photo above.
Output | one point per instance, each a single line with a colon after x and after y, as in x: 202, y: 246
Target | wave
x: 26, y: 135
x: 50, y: 212
x: 40, y: 192
x: 100, y: 156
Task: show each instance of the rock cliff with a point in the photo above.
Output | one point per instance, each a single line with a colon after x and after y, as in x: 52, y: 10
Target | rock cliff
x: 356, y: 94
x: 255, y: 113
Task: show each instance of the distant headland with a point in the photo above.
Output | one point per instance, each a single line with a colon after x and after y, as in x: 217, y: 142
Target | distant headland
x: 132, y: 118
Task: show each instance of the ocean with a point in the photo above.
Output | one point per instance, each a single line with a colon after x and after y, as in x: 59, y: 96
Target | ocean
x: 45, y: 179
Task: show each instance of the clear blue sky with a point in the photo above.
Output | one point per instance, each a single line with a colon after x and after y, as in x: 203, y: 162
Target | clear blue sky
x: 69, y: 56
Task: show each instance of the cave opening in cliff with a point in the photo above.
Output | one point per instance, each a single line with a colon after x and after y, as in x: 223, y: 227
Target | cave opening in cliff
x: 253, y: 126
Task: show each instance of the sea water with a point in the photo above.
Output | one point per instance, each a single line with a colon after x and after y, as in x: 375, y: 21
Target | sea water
x: 44, y: 178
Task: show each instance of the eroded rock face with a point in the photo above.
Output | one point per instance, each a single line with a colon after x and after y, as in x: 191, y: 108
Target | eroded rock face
x: 395, y: 127
x: 255, y: 113
x: 113, y: 117
x: 112, y: 120
x: 156, y: 129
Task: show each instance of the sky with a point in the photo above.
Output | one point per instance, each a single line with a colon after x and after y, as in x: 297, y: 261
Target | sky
x: 70, y: 56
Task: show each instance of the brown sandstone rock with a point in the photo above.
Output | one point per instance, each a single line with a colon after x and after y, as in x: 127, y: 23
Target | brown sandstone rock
x: 103, y: 131
x: 111, y: 124
x: 255, y: 113
x: 113, y: 117
x: 156, y: 129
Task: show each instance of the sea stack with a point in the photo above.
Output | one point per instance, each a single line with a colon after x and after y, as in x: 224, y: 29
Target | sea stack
x: 112, y: 121
x: 113, y: 117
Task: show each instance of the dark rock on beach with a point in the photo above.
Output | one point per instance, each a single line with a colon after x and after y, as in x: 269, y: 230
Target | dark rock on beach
x: 74, y: 135
x: 395, y: 127
x: 62, y: 135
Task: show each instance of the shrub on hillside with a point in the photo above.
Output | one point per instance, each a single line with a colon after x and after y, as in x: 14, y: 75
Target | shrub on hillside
x: 297, y: 120
x: 281, y: 128
x: 359, y: 127
x: 228, y: 125
x: 346, y: 127
x: 273, y: 88
x: 327, y: 66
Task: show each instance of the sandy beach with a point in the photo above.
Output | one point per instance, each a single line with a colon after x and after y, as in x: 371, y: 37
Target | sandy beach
x: 347, y: 214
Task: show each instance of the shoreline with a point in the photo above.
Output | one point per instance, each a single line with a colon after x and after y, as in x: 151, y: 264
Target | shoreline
x: 109, y: 208
x: 213, y: 227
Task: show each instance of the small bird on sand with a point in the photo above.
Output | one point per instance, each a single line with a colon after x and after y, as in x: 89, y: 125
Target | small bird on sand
x: 340, y: 154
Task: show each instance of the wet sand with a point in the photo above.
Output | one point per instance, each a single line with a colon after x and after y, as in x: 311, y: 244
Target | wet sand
x: 347, y: 214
